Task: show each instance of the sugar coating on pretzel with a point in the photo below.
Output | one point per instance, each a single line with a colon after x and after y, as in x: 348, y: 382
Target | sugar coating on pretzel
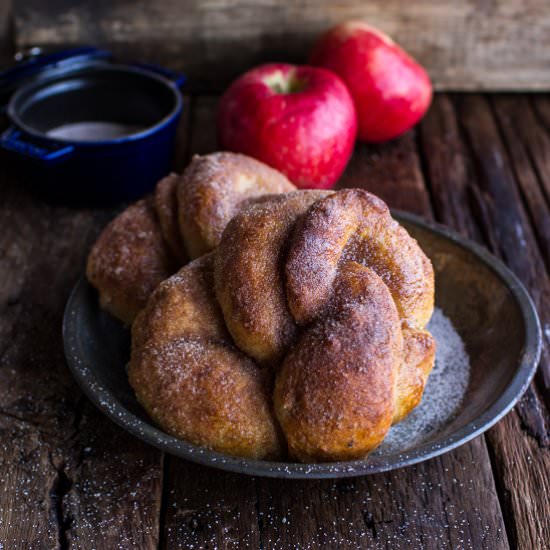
x: 334, y: 395
x: 184, y: 218
x: 191, y: 379
x: 214, y: 188
x: 355, y: 225
x: 129, y: 259
x: 249, y: 274
x: 321, y: 292
x: 295, y: 260
x: 166, y: 204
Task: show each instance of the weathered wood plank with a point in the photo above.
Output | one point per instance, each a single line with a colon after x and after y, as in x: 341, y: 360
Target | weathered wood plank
x: 114, y: 488
x: 442, y: 503
x: 443, y: 146
x: 447, y: 502
x: 67, y: 472
x: 527, y: 144
x: 447, y: 168
x: 209, y: 509
x: 520, y: 458
x: 6, y: 31
x: 506, y: 218
x: 393, y: 172
x: 464, y: 45
x: 414, y: 508
x: 541, y: 154
x: 205, y: 508
x: 28, y: 509
x: 521, y: 467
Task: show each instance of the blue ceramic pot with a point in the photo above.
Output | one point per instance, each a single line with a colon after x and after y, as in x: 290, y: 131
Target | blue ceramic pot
x: 92, y: 132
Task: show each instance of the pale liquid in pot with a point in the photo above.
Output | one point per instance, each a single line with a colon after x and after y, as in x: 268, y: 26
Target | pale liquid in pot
x: 93, y: 131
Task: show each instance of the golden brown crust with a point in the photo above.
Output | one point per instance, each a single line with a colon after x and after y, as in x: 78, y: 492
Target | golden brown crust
x: 212, y: 190
x: 355, y: 225
x: 211, y: 396
x: 337, y: 264
x: 128, y: 260
x: 334, y: 396
x: 189, y: 377
x: 166, y: 204
x: 249, y: 271
x: 182, y: 305
x: 419, y: 357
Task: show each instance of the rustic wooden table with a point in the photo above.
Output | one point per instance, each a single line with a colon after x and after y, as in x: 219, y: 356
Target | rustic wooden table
x: 69, y: 478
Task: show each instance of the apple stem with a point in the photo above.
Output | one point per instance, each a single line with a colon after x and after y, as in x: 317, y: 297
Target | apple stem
x: 284, y: 84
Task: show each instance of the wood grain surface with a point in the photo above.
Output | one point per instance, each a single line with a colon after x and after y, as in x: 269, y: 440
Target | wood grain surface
x: 72, y: 479
x: 468, y: 45
x: 467, y: 163
x: 69, y: 477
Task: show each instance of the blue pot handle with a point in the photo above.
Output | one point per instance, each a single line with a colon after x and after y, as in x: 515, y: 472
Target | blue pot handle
x: 16, y: 141
x: 177, y: 78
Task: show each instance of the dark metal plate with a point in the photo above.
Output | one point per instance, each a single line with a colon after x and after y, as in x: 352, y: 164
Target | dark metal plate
x: 487, y: 304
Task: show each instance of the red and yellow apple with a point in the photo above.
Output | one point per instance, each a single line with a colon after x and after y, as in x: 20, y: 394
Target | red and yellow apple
x: 297, y: 119
x: 390, y: 89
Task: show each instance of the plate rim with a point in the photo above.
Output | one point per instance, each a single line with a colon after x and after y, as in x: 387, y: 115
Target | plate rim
x: 105, y: 401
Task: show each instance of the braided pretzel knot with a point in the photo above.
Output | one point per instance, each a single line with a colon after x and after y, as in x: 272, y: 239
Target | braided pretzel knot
x: 327, y: 293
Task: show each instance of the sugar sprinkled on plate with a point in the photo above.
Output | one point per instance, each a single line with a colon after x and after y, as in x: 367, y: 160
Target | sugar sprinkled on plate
x: 444, y: 391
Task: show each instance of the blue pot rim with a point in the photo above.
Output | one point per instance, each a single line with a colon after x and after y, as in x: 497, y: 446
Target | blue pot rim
x: 142, y: 134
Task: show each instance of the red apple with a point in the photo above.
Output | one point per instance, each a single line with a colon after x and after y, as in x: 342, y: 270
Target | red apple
x: 298, y: 119
x: 391, y: 90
